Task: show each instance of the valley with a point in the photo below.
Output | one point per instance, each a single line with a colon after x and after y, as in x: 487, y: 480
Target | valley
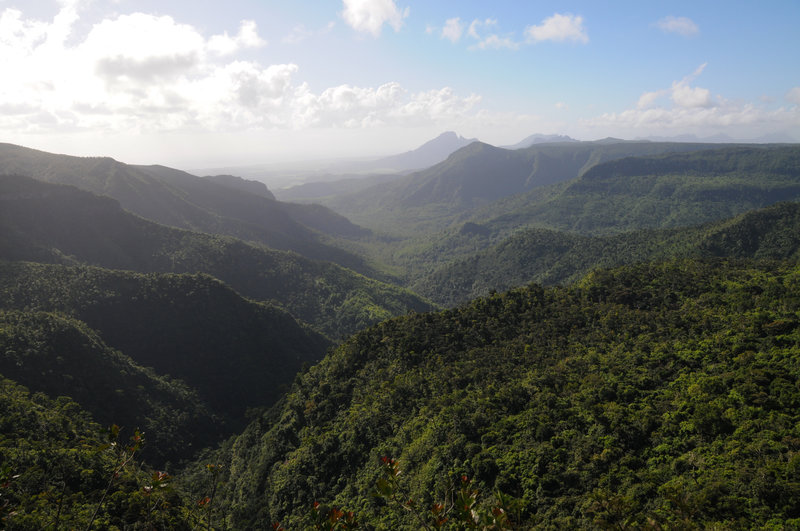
x: 594, y: 334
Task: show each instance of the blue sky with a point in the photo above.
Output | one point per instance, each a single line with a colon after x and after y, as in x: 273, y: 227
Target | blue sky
x: 200, y: 83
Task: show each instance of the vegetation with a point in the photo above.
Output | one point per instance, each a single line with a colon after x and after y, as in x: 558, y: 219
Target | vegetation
x: 662, y: 395
x: 60, y: 470
x: 581, y: 188
x: 59, y: 224
x: 232, y: 353
x: 551, y: 257
x: 474, y: 176
x: 59, y: 356
x: 178, y: 199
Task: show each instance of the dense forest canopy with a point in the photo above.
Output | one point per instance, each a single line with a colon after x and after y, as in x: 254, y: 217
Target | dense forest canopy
x: 661, y: 394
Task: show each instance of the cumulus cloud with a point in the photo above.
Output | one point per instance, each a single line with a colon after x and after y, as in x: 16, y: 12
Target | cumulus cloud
x: 246, y: 38
x: 648, y: 99
x: 559, y: 28
x: 112, y: 80
x: 369, y: 16
x: 683, y: 107
x: 681, y: 25
x: 686, y: 96
x: 453, y: 29
x: 681, y: 93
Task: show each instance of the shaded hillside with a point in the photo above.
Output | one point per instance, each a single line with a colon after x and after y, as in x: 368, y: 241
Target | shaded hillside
x: 233, y: 353
x: 550, y: 257
x: 657, y: 394
x: 59, y: 356
x: 179, y: 199
x: 60, y: 224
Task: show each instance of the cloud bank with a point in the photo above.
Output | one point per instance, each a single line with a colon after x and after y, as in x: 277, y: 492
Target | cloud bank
x: 685, y: 107
x: 177, y: 79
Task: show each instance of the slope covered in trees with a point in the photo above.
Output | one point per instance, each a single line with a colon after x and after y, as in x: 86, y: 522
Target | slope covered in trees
x: 59, y: 356
x: 663, y: 395
x: 52, y: 223
x: 234, y: 354
x: 552, y: 257
x: 477, y: 175
x: 589, y: 193
x: 60, y: 470
x: 179, y: 199
x: 660, y: 191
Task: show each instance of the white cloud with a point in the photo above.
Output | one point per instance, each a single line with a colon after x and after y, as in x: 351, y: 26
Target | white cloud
x: 490, y: 41
x: 558, y: 28
x: 453, y: 29
x: 685, y: 96
x: 495, y: 42
x: 685, y: 108
x: 648, y: 99
x: 793, y: 96
x: 369, y: 16
x: 246, y: 38
x: 681, y: 93
x: 561, y: 106
x: 680, y: 25
x: 114, y: 81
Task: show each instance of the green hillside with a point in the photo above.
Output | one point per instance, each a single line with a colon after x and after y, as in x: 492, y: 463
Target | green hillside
x: 478, y: 175
x: 61, y: 224
x: 654, y: 192
x: 179, y: 199
x: 660, y: 191
x: 656, y: 395
x: 59, y: 356
x: 551, y: 257
x: 233, y: 353
x: 60, y: 470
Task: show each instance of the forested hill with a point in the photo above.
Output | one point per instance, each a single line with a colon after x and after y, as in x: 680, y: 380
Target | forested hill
x: 60, y: 356
x: 233, y: 352
x: 655, y: 395
x: 659, y: 191
x: 179, y: 199
x: 58, y: 468
x: 620, y: 196
x: 479, y: 174
x: 552, y: 257
x: 60, y: 224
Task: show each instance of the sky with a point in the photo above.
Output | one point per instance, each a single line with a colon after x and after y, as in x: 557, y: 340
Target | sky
x: 202, y: 83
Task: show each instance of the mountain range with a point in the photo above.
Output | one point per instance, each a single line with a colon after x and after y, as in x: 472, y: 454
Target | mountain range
x: 179, y: 199
x: 261, y: 364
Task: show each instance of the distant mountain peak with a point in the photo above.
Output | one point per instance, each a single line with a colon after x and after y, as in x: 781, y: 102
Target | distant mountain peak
x: 430, y: 153
x: 539, y: 138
